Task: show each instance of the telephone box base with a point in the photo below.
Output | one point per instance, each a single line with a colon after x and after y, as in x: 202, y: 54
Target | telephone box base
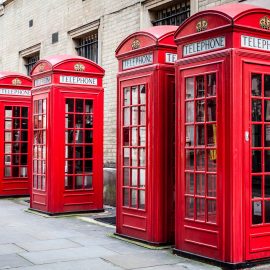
x: 224, y: 265
x: 155, y: 244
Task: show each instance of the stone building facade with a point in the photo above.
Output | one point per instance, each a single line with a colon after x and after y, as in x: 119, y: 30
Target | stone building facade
x: 33, y: 29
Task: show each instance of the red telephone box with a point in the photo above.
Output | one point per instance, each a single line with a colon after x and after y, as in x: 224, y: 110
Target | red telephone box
x: 15, y: 149
x: 67, y: 135
x: 145, y: 140
x: 223, y: 128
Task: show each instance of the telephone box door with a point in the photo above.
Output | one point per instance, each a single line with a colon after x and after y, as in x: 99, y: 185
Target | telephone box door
x: 257, y: 147
x: 200, y: 205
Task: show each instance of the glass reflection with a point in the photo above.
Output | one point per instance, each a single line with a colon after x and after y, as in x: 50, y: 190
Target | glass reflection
x: 211, y: 185
x: 126, y: 156
x: 133, y: 198
x: 88, y: 106
x: 134, y: 136
x: 134, y: 177
x: 142, y: 178
x: 190, y: 88
x: 189, y: 135
x: 256, y: 84
x: 211, y: 85
x: 126, y: 116
x: 134, y: 93
x: 134, y: 154
x: 141, y: 199
x: 190, y: 112
x: 142, y: 115
x: 134, y: 118
x: 142, y: 94
x: 142, y: 136
x: 126, y: 96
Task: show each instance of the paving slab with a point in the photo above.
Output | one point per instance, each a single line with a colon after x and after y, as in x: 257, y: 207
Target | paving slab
x: 12, y: 260
x: 69, y: 254
x: 9, y: 249
x: 148, y: 259
x: 47, y: 245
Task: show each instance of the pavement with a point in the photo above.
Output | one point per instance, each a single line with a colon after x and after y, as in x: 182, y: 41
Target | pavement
x: 30, y: 241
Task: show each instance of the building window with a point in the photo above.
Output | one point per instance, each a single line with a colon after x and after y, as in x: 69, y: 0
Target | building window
x: 30, y: 61
x: 88, y: 46
x: 172, y: 15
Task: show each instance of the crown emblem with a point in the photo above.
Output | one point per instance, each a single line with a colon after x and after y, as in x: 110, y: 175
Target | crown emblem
x: 135, y: 44
x: 79, y: 67
x: 16, y: 81
x: 41, y: 67
x: 201, y: 25
x: 265, y: 23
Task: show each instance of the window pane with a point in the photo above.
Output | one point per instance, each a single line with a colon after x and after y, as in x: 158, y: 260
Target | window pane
x: 200, y: 116
x: 134, y: 140
x: 189, y: 207
x: 126, y: 136
x: 200, y: 160
x: 200, y: 135
x: 256, y: 186
x: 267, y: 110
x: 134, y: 92
x: 190, y: 112
x: 256, y: 135
x: 126, y: 116
x: 200, y: 184
x: 134, y: 153
x: 142, y: 138
x: 79, y: 105
x: 256, y: 161
x: 267, y: 160
x: 142, y: 94
x: 88, y: 106
x: 142, y: 178
x: 257, y: 212
x: 141, y: 199
x: 189, y: 183
x: 189, y: 135
x: 266, y: 136
x: 126, y: 96
x: 142, y: 115
x: 134, y: 179
x: 211, y: 85
x: 142, y: 157
x: 88, y: 151
x: 200, y: 205
x: 256, y: 85
x: 126, y: 176
x: 211, y: 185
x: 267, y: 186
x: 88, y: 181
x: 212, y: 160
x: 190, y: 159
x: 267, y: 211
x: 126, y: 197
x: 190, y: 88
x: 88, y: 121
x: 257, y: 110
x: 212, y: 215
x: 126, y: 156
x: 135, y: 116
x: 78, y: 181
x: 211, y: 110
x: 133, y: 198
x: 200, y: 86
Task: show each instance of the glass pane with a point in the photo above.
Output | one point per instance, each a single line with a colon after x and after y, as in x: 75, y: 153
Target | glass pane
x: 24, y: 124
x: 266, y: 136
x: 200, y: 117
x: 257, y: 212
x: 211, y: 135
x: 8, y: 112
x: 142, y: 115
x: 134, y: 177
x: 8, y: 124
x: 7, y: 160
x: 16, y: 148
x: 257, y: 135
x: 126, y: 197
x: 23, y: 159
x: 15, y: 171
x: 134, y: 153
x: 88, y: 136
x: 256, y: 161
x: 69, y: 105
x: 200, y: 86
x: 142, y: 94
x: 189, y: 183
x: 79, y: 105
x: 200, y: 184
x: 24, y: 135
x: 190, y: 159
x: 126, y: 96
x: 88, y: 106
x: 141, y: 199
x: 212, y: 215
x: 16, y: 136
x: 133, y: 198
x: 16, y: 123
x: 88, y: 166
x: 267, y: 85
x: 126, y: 136
x: 212, y: 160
x: 126, y: 116
x: 257, y: 110
x: 142, y: 136
x: 190, y: 88
x: 142, y: 178
x: 142, y: 157
x: 200, y: 160
x: 267, y: 160
x: 24, y: 112
x: 200, y: 136
x: 256, y: 186
x: 267, y: 186
x: 7, y: 171
x: 211, y: 110
x: 68, y: 182
x: 78, y: 181
x: 23, y: 171
x: 79, y: 121
x: 126, y: 156
x: 78, y: 136
x: 134, y: 138
x: 135, y: 116
x: 189, y: 207
x: 79, y: 166
x: 16, y: 111
x: 40, y: 106
x: 211, y: 185
x: 256, y: 85
x: 267, y: 211
x: 88, y: 121
x: 200, y: 205
x: 8, y: 136
x: 134, y: 93
x: 126, y: 176
x: 189, y: 135
x: 189, y: 112
x: 79, y: 152
x: 88, y: 151
x: 211, y: 85
x: 88, y: 181
x: 267, y: 110
x: 44, y: 105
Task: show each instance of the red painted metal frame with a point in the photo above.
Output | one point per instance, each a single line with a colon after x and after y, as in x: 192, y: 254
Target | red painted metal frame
x: 54, y: 195
x: 19, y: 86
x: 233, y: 239
x: 152, y: 222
